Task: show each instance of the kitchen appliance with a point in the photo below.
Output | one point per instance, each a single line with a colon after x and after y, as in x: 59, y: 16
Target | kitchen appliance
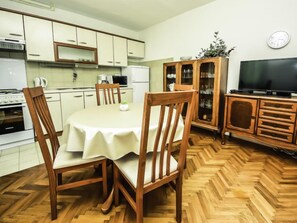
x: 122, y: 80
x: 12, y: 44
x: 40, y: 81
x: 104, y: 79
x: 15, y: 122
x: 138, y: 78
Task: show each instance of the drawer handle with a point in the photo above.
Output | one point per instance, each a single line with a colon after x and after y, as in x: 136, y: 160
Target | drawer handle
x: 34, y: 54
x: 48, y: 97
x: 77, y: 96
x: 71, y: 40
x: 82, y: 42
x: 15, y: 34
x: 89, y: 95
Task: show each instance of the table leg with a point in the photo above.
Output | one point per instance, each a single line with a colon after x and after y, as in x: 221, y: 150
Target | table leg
x: 106, y: 206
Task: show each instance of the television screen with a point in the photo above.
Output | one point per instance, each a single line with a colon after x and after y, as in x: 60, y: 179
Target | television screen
x: 274, y: 75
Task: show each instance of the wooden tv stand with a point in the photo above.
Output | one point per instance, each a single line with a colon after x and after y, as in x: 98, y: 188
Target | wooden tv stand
x: 268, y: 120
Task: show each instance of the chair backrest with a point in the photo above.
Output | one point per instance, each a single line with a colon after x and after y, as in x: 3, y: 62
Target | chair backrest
x: 182, y: 87
x: 108, y: 91
x: 171, y: 105
x: 41, y: 116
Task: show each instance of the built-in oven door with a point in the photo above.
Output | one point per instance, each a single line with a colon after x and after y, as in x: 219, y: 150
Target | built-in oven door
x: 11, y: 118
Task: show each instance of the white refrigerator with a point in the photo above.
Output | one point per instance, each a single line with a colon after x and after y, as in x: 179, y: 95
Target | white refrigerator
x: 139, y: 79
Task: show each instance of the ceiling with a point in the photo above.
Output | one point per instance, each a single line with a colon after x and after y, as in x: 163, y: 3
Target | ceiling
x: 132, y: 14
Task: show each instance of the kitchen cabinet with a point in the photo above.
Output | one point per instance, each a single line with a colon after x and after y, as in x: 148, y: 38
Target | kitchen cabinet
x: 71, y: 102
x: 90, y: 99
x: 64, y: 33
x: 112, y: 50
x: 261, y: 119
x: 54, y: 104
x: 135, y: 49
x: 68, y: 34
x: 11, y: 25
x: 86, y: 37
x: 39, y: 39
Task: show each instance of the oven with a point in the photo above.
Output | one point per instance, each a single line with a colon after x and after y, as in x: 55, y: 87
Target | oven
x: 16, y: 127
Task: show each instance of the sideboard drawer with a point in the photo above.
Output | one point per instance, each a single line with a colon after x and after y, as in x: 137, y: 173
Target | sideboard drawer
x: 276, y: 135
x: 278, y: 105
x: 278, y: 116
x: 276, y: 125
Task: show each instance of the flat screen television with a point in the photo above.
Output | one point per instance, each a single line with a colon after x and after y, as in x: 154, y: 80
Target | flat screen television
x: 271, y: 76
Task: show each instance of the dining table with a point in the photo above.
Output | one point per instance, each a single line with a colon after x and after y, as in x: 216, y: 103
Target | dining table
x: 108, y: 131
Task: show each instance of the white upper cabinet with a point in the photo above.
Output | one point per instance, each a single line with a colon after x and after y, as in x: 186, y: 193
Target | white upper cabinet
x: 112, y: 50
x: 105, y: 49
x: 120, y: 51
x: 39, y: 39
x: 135, y: 49
x: 11, y: 25
x: 74, y: 35
x: 64, y: 33
x: 86, y: 37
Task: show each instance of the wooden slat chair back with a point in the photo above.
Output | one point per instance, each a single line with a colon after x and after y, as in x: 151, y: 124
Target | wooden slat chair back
x: 151, y: 170
x: 109, y: 91
x: 58, y: 160
x: 182, y: 87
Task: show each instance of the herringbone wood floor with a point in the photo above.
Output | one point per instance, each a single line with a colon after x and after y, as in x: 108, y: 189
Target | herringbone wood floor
x: 238, y: 182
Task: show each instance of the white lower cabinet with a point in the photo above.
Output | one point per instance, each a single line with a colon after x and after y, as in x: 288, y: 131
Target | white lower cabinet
x: 71, y: 102
x: 90, y: 98
x: 54, y: 104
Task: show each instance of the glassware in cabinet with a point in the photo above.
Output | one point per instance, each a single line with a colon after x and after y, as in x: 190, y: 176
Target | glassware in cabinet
x: 170, y: 75
x: 206, y: 89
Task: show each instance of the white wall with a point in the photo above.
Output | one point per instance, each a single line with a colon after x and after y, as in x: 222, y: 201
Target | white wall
x: 70, y: 17
x: 245, y: 24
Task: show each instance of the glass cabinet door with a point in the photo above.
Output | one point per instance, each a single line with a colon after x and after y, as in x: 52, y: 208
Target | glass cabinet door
x: 170, y: 75
x: 206, y: 89
x: 187, y: 74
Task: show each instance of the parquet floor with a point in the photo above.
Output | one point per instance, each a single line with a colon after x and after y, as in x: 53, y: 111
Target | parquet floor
x: 238, y: 182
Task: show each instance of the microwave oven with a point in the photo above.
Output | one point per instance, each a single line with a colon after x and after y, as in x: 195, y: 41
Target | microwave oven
x: 122, y: 80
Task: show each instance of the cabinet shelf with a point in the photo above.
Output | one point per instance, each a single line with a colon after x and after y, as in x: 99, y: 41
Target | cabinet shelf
x: 75, y: 54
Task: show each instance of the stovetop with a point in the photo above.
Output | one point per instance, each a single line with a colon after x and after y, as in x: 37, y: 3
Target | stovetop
x: 10, y: 91
x: 11, y: 96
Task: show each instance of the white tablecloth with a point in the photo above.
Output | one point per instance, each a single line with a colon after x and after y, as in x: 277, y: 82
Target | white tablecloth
x: 107, y: 131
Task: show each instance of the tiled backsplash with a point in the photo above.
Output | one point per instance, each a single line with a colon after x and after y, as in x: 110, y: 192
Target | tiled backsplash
x: 63, y: 77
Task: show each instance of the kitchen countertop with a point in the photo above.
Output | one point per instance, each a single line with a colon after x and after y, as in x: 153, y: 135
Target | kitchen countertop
x: 73, y: 89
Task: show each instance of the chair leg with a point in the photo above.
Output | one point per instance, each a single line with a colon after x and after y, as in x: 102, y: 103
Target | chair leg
x: 104, y: 178
x: 115, y: 185
x: 139, y: 208
x: 178, y: 199
x: 53, y: 200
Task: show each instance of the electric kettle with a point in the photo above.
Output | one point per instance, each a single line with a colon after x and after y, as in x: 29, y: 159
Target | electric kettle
x: 40, y: 81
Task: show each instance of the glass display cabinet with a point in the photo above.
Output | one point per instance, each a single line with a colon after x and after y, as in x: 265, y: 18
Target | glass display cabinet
x: 211, y: 86
x: 170, y: 75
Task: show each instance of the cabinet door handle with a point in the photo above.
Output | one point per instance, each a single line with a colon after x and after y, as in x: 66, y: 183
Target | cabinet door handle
x: 109, y: 61
x: 15, y: 34
x: 77, y: 96
x: 47, y: 98
x: 89, y: 95
x: 82, y: 42
x: 123, y: 92
x: 34, y: 54
x: 71, y: 40
x: 130, y: 52
x: 118, y: 62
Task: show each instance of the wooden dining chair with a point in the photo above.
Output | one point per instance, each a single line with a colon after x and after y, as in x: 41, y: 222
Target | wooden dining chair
x: 182, y: 87
x: 108, y: 91
x: 150, y: 170
x: 59, y: 160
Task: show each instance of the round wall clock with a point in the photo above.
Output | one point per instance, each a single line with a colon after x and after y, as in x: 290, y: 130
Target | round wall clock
x: 278, y: 39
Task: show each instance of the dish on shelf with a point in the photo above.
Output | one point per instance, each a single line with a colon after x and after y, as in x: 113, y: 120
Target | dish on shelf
x: 186, y: 58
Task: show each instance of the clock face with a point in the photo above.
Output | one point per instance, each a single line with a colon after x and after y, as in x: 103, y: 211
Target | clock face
x: 278, y: 39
